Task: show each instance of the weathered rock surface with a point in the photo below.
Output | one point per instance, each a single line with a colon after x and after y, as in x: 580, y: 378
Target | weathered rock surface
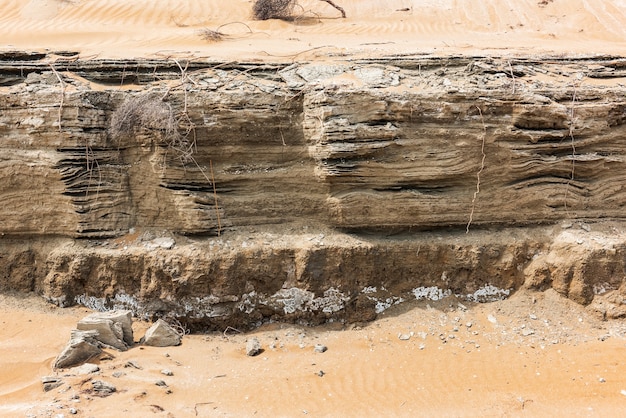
x: 161, y: 334
x: 51, y: 382
x: 82, y: 346
x: 114, y: 328
x: 102, y: 388
x: 310, y: 191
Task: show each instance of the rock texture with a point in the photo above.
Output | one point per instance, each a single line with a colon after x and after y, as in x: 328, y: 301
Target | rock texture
x: 227, y: 194
x: 83, y: 345
x: 114, y: 328
x: 161, y: 334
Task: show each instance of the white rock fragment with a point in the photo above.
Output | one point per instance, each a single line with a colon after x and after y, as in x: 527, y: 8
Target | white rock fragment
x: 161, y: 334
x: 253, y: 347
x: 320, y: 348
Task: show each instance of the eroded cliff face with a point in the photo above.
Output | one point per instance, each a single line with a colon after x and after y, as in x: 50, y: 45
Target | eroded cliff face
x: 310, y: 191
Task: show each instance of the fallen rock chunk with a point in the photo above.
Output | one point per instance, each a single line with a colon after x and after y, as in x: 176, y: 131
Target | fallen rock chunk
x: 51, y: 382
x: 114, y: 328
x: 167, y: 372
x: 81, y: 347
x: 102, y: 388
x: 161, y: 334
x: 253, y: 347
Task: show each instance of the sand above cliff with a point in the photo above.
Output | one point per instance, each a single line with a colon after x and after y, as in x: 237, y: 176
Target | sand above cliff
x: 534, y: 354
x: 164, y: 28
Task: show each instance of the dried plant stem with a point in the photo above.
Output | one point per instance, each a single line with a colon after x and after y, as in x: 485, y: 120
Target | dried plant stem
x: 512, y: 77
x: 572, y: 139
x: 482, y: 167
x: 341, y: 10
x: 62, y: 95
x: 217, y: 208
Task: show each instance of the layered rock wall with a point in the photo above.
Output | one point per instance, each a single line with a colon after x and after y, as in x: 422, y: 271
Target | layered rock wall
x: 114, y: 154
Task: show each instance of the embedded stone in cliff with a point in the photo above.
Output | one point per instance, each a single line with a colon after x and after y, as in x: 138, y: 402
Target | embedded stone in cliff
x: 162, y: 242
x: 82, y: 346
x: 114, y: 328
x: 162, y: 334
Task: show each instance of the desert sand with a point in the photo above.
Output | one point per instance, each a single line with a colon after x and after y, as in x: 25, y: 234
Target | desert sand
x: 535, y: 354
x: 149, y: 28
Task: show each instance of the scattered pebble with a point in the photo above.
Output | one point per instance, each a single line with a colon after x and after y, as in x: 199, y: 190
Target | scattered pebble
x: 133, y: 364
x: 253, y: 347
x: 161, y: 383
x: 404, y: 337
x: 103, y: 388
x: 602, y: 380
x: 492, y: 319
x: 51, y: 382
x: 167, y: 372
x: 532, y: 316
x: 320, y: 348
x: 320, y: 373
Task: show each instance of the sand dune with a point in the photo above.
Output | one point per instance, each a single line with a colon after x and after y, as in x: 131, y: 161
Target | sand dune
x: 116, y: 28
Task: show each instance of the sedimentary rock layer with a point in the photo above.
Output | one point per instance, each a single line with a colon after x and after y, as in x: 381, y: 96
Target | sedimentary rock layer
x: 100, y: 149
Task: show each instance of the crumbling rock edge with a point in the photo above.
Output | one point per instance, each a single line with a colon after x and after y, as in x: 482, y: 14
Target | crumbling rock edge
x: 244, y: 280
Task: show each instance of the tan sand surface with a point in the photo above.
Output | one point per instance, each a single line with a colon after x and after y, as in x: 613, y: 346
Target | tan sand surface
x: 535, y: 354
x: 138, y: 28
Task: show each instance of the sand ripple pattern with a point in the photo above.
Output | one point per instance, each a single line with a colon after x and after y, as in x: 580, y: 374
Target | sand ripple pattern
x: 122, y: 27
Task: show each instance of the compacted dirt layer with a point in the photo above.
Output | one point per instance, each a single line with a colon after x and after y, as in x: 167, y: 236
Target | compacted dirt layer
x: 534, y: 354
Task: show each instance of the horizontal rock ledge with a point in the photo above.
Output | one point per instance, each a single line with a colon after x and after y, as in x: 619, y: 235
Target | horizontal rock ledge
x: 243, y: 280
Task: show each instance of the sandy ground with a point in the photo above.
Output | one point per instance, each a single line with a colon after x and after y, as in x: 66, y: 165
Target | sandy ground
x: 532, y: 355
x: 535, y: 354
x: 164, y: 28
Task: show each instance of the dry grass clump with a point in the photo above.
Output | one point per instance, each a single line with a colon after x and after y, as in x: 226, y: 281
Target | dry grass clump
x: 272, y: 9
x: 211, y: 35
x: 146, y: 111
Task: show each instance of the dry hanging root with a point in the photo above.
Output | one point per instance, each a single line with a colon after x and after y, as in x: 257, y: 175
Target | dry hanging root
x: 56, y: 73
x: 571, y: 136
x: 482, y: 167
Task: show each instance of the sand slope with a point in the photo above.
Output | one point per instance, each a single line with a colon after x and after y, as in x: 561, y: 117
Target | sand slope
x: 117, y: 28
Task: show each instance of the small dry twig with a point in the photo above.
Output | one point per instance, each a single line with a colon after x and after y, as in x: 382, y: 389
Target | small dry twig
x: 62, y: 94
x: 572, y: 120
x: 482, y: 167
x: 229, y: 328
